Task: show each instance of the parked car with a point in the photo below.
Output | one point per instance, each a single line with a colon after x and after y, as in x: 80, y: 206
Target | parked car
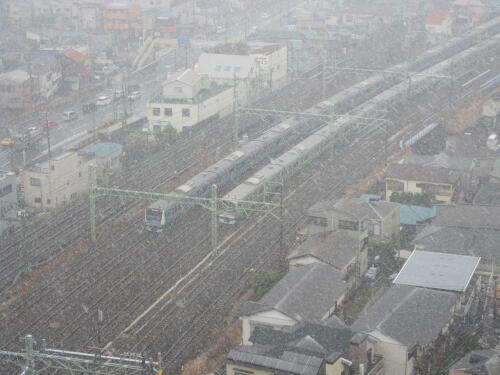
x: 264, y: 15
x: 70, y: 115
x: 220, y: 30
x: 7, y: 142
x: 51, y: 124
x: 103, y: 100
x: 134, y: 95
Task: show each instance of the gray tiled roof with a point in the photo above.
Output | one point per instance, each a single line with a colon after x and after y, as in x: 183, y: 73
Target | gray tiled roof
x: 464, y: 241
x: 488, y: 194
x: 414, y: 172
x: 306, y: 338
x: 293, y: 365
x: 306, y: 293
x: 337, y: 249
x: 467, y: 216
x: 441, y: 160
x: 410, y: 315
x: 355, y: 208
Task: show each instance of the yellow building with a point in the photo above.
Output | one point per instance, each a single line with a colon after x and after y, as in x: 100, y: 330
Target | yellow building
x: 441, y: 183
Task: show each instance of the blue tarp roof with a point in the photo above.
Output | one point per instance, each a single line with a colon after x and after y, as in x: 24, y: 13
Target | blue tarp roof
x: 411, y: 215
x: 102, y: 149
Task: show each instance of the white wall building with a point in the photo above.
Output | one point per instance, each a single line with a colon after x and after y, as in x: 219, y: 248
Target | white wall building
x: 65, y: 177
x: 187, y: 100
x: 8, y: 199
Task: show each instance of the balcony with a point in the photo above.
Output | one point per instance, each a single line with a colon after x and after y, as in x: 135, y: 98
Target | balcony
x: 376, y: 366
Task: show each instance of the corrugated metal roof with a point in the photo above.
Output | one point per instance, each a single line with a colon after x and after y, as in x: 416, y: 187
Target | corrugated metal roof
x: 438, y: 270
x: 412, y: 215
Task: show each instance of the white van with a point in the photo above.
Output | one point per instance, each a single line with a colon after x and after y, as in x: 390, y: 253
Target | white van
x: 70, y: 115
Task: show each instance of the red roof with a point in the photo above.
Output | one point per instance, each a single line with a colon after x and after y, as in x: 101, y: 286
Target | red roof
x: 74, y: 55
x: 436, y: 17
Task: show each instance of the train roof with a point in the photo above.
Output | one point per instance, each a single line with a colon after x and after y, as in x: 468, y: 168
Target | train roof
x: 161, y: 204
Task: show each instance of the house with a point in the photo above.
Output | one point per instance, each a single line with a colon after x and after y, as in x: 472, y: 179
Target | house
x: 304, y: 349
x: 46, y: 69
x: 106, y: 156
x: 54, y: 182
x: 478, y: 362
x: 64, y: 177
x: 479, y: 242
x: 467, y: 216
x: 242, y: 71
x: 341, y: 250
x: 75, y: 68
x: 18, y: 90
x: 8, y: 200
x: 441, y: 184
x: 438, y: 24
x: 379, y: 219
x: 430, y: 299
x: 187, y: 100
x: 309, y: 293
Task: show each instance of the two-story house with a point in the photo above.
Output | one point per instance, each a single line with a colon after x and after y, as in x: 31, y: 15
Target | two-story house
x: 374, y: 218
x: 310, y: 293
x: 430, y: 299
x: 342, y: 250
x: 441, y: 184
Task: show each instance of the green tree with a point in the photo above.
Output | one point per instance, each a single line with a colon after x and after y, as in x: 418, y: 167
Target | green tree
x: 416, y: 199
x: 264, y: 281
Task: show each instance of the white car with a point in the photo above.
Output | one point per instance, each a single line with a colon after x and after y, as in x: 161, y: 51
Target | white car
x: 103, y: 100
x: 264, y: 15
x: 220, y: 30
x: 134, y: 95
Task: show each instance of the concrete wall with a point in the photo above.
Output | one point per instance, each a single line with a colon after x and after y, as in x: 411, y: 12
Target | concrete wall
x: 221, y: 104
x: 8, y: 200
x: 395, y: 357
x: 391, y: 225
x: 56, y: 183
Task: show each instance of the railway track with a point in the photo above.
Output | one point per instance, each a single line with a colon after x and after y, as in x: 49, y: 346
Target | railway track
x: 124, y: 275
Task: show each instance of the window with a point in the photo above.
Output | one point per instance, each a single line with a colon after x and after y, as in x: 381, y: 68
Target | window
x: 218, y: 68
x: 178, y: 89
x: 156, y: 112
x: 186, y: 112
x: 38, y: 200
x: 6, y: 190
x: 79, y: 174
x: 167, y: 112
x: 35, y: 181
x: 73, y: 196
x: 394, y: 185
x: 48, y: 201
x: 319, y: 221
x: 350, y: 225
x: 52, y: 167
x: 240, y: 371
x: 237, y: 69
x: 227, y: 68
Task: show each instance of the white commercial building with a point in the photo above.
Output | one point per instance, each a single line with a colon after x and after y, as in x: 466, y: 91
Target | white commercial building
x: 187, y: 100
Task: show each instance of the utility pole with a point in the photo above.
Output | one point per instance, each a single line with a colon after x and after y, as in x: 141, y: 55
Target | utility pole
x: 92, y: 185
x: 215, y: 218
x: 236, y: 120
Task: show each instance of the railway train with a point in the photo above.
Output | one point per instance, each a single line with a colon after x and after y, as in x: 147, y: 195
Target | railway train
x: 161, y: 213
x: 286, y: 165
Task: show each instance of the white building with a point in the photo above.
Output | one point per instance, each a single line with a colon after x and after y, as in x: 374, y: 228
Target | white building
x: 8, y: 200
x: 273, y: 63
x: 17, y: 90
x: 65, y: 177
x: 187, y: 100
